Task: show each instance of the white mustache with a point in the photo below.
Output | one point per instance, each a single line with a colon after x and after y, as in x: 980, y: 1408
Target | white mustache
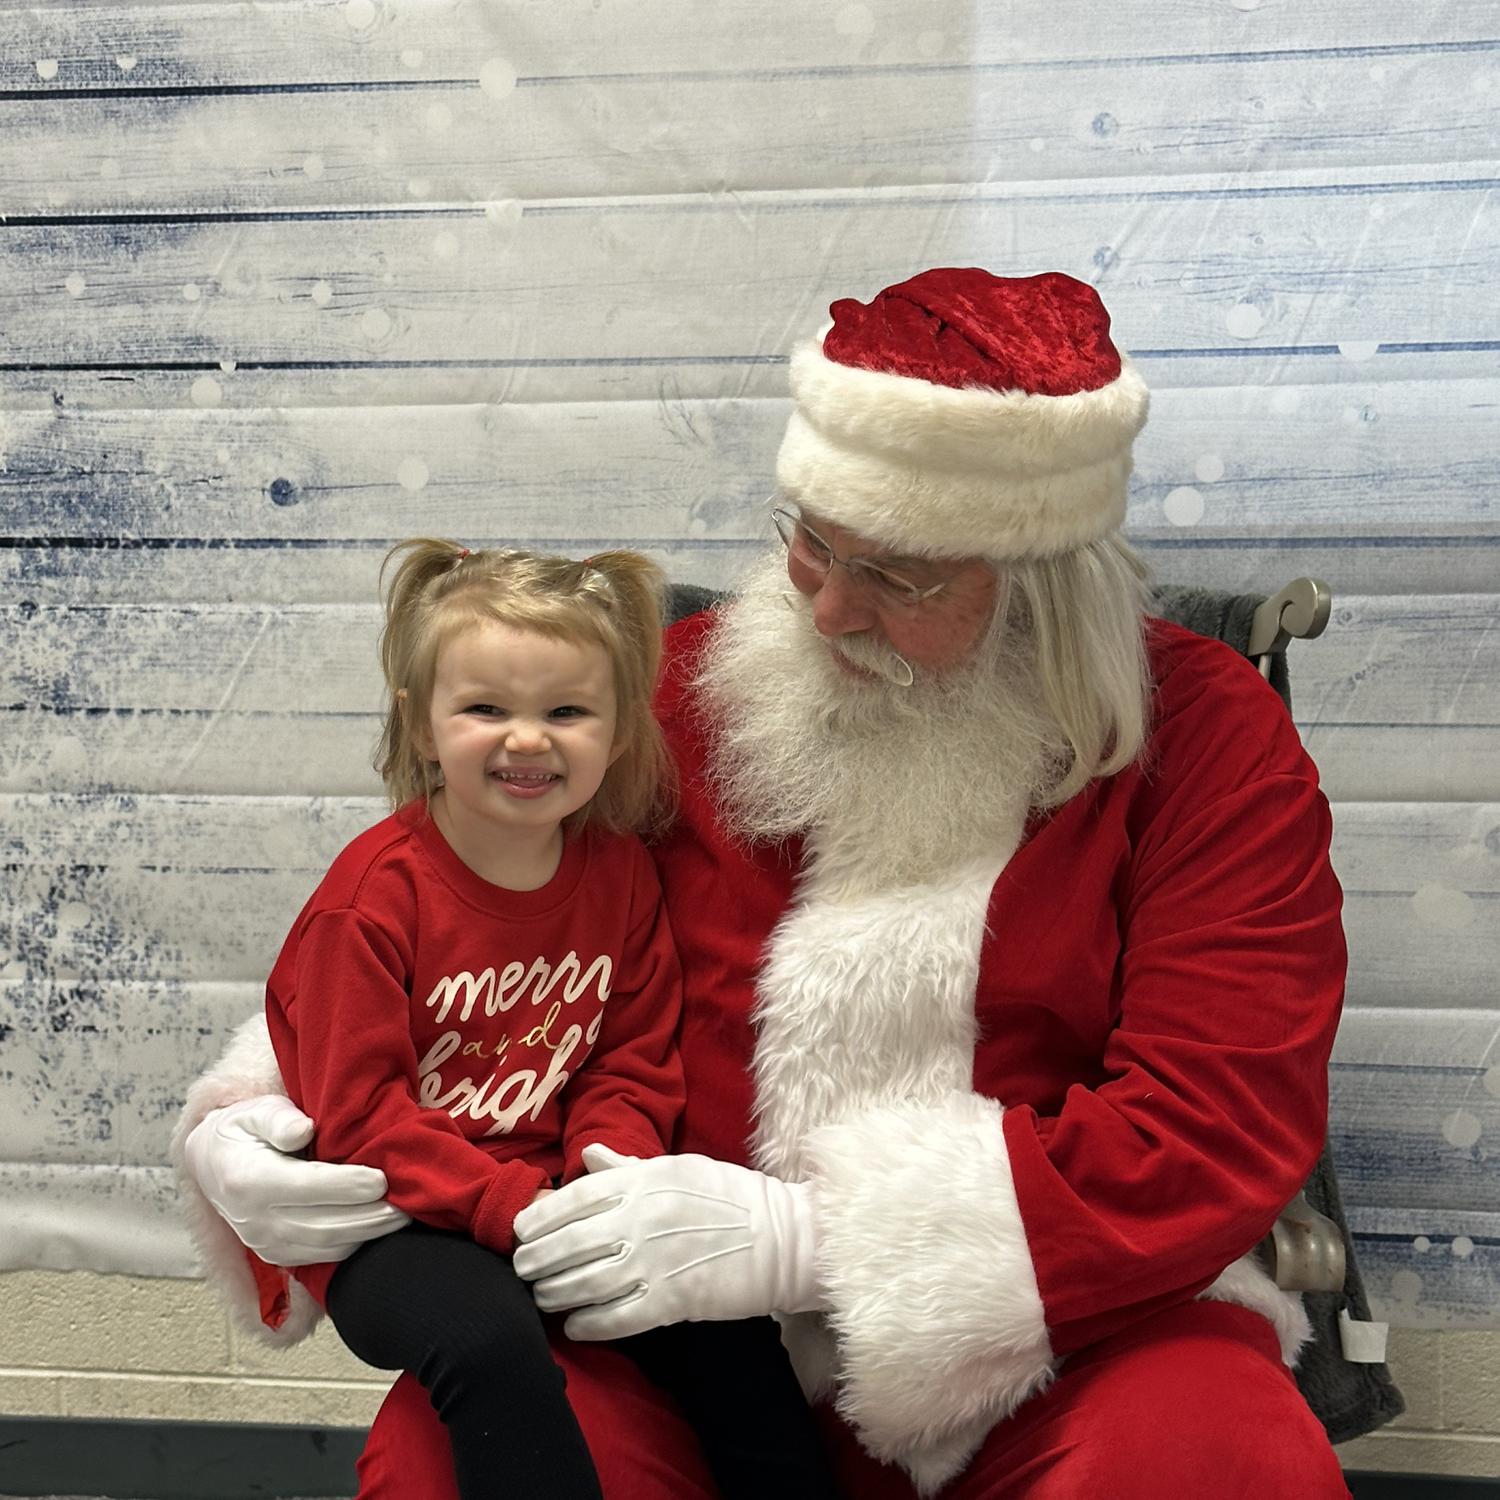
x: 859, y: 651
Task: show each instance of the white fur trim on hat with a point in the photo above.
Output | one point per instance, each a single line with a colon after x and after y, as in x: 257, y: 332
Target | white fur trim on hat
x: 958, y: 472
x: 246, y: 1070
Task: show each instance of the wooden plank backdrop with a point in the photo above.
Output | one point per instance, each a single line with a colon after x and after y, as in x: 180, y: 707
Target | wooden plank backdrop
x: 283, y: 282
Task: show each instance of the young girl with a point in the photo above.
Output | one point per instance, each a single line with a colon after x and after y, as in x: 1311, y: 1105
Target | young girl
x: 485, y: 983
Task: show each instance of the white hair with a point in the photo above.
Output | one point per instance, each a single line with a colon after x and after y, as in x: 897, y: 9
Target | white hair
x: 1083, y: 614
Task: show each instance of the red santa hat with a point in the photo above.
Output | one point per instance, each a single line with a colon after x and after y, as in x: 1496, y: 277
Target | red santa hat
x: 965, y: 414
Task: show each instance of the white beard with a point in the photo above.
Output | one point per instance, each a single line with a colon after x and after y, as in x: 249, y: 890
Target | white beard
x: 894, y: 785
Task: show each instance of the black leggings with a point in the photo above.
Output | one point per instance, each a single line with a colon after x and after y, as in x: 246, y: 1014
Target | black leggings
x: 459, y: 1318
x: 734, y: 1384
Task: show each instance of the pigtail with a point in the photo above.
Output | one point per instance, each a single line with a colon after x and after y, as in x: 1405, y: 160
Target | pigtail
x: 404, y: 642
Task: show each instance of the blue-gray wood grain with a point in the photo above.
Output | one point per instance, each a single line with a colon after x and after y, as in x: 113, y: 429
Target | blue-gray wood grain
x: 280, y: 284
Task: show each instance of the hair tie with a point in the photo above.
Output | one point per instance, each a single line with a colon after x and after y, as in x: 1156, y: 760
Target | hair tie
x: 463, y: 552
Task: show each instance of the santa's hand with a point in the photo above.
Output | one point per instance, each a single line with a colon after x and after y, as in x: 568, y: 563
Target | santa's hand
x: 639, y: 1244
x: 289, y: 1211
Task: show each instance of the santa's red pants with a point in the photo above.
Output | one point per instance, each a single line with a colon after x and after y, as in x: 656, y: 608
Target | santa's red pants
x: 1194, y: 1401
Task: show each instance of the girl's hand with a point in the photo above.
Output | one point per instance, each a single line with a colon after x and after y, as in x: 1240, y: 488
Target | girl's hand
x: 540, y: 1194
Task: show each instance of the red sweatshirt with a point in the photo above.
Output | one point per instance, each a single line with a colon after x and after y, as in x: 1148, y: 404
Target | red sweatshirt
x: 468, y: 1040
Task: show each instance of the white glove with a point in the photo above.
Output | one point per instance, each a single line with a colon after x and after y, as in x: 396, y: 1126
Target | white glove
x: 640, y: 1244
x: 289, y: 1211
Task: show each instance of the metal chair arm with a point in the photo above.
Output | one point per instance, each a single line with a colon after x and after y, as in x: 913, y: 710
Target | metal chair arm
x: 1304, y: 1251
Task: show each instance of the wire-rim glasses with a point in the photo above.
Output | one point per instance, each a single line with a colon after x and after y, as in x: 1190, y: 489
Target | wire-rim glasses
x: 816, y: 554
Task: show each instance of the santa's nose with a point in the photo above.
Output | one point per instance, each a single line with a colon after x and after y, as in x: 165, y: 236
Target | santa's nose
x: 840, y: 606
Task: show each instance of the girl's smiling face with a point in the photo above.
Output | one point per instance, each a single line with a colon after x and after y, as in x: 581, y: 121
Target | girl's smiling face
x: 523, y: 728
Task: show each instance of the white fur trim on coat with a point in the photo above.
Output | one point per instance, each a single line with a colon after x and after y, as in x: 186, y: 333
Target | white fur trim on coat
x: 865, y: 1000
x: 934, y: 1300
x: 1247, y: 1283
x: 958, y: 472
x: 246, y: 1070
x: 864, y: 1065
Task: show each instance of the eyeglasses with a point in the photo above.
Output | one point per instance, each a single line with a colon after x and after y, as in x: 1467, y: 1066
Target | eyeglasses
x: 813, y: 552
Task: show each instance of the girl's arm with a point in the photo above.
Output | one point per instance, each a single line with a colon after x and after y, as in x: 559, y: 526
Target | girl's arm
x: 345, y: 1050
x: 629, y: 1093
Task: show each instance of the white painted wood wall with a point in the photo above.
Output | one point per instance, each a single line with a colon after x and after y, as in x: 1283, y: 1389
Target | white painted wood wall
x: 283, y: 282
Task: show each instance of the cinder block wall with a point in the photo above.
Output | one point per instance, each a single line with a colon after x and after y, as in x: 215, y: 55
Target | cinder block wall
x: 79, y: 1344
x: 82, y: 1344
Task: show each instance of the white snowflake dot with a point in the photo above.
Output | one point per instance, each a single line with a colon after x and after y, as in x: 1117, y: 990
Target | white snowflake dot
x: 109, y: 168
x: 126, y: 62
x: 72, y: 915
x: 46, y: 69
x: 1360, y: 350
x: 497, y: 78
x: 1462, y: 1246
x: 418, y: 187
x: 229, y: 366
x: 1377, y: 71
x: 505, y: 212
x: 206, y: 391
x: 1421, y: 1244
x: 411, y: 474
x: 439, y: 118
x: 1037, y: 143
x: 1462, y: 1129
x: 1183, y: 506
x: 190, y: 292
x: 1491, y: 1082
x: 1246, y: 4
x: 312, y: 165
x: 445, y: 245
x: 376, y: 324
x: 1285, y: 400
x: 1443, y: 906
x: 412, y: 57
x: 321, y: 294
x: 360, y: 13
x: 75, y: 285
x: 1209, y: 469
x: 1244, y: 320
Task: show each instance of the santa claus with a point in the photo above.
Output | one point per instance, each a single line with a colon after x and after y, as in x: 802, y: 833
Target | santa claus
x: 1012, y: 964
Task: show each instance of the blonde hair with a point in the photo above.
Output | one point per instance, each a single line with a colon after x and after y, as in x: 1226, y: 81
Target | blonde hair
x: 613, y: 600
x: 1084, y: 613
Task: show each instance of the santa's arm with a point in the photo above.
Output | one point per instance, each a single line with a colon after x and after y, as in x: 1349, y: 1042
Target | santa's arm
x: 253, y: 1207
x: 964, y: 1247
